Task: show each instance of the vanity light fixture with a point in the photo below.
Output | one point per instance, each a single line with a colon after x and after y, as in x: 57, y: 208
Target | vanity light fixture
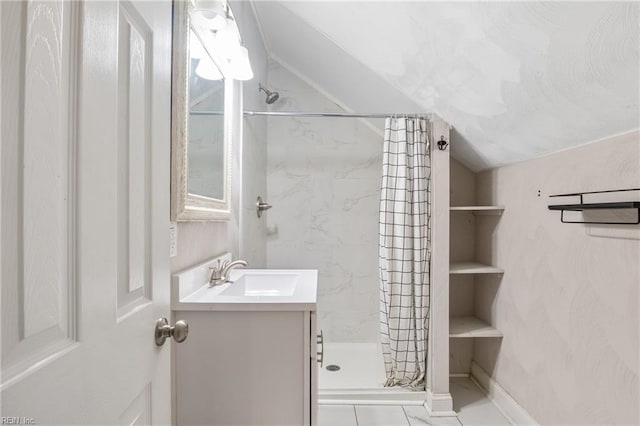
x: 226, y: 41
x: 196, y: 50
x: 223, y: 43
x: 207, y: 69
x: 240, y: 64
x: 228, y: 44
x: 214, y: 12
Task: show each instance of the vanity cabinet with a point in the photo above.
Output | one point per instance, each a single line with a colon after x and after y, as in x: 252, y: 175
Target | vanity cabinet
x: 249, y: 367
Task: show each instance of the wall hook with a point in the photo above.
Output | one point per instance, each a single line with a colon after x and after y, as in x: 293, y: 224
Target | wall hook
x: 442, y: 144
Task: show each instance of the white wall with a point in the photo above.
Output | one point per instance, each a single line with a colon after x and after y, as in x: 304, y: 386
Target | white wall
x: 323, y: 181
x: 241, y: 235
x: 568, y: 301
x: 549, y: 75
x: 253, y: 244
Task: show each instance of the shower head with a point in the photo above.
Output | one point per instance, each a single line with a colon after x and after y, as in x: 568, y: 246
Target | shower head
x: 271, y: 96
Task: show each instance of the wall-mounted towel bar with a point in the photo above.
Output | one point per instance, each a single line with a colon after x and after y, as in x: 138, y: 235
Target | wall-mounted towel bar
x: 582, y: 206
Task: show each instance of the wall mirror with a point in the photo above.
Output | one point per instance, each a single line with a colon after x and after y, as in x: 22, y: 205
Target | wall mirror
x: 201, y: 140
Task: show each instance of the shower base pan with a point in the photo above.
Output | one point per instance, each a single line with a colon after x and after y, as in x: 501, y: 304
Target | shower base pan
x: 360, y: 378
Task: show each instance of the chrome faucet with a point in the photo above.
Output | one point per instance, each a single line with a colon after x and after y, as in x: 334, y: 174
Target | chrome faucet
x: 220, y: 273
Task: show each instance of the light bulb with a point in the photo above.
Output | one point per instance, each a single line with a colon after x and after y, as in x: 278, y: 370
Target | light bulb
x: 240, y: 64
x: 226, y: 42
x: 207, y: 69
x: 196, y: 49
x: 214, y: 13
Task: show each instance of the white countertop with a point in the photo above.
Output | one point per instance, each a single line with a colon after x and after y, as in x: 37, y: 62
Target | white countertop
x: 191, y: 291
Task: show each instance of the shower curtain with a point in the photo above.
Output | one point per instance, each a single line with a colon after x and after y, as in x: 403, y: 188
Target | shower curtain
x: 404, y: 251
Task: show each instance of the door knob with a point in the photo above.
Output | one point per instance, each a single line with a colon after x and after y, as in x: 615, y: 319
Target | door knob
x: 163, y: 331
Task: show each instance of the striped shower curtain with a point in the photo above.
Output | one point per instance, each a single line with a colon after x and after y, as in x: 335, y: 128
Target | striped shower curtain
x: 404, y: 251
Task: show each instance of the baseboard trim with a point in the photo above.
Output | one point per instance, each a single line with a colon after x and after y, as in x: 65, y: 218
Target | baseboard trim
x: 378, y: 401
x: 372, y: 397
x: 500, y: 398
x: 439, y: 404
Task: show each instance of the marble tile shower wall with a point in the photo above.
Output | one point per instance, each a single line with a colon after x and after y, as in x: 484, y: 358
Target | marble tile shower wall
x: 323, y: 177
x: 252, y: 239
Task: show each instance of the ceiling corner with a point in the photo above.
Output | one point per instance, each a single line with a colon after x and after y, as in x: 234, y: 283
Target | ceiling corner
x: 265, y: 43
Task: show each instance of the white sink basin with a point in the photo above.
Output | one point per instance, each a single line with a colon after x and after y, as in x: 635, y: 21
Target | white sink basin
x: 248, y: 289
x: 262, y: 283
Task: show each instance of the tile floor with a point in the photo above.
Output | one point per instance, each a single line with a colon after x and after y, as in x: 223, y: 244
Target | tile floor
x: 469, y: 401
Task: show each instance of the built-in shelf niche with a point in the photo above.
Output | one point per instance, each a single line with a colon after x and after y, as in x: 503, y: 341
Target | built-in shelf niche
x: 465, y: 270
x: 471, y: 327
x: 475, y: 267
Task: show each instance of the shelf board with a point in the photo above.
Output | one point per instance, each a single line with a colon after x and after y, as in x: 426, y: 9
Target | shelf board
x: 473, y: 268
x: 479, y: 210
x: 476, y: 208
x: 469, y: 327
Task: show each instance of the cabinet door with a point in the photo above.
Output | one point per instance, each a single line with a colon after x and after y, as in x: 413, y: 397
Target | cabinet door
x: 243, y: 369
x: 314, y: 348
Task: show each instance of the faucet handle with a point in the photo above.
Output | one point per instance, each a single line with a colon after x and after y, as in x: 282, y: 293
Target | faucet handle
x: 212, y: 271
x: 220, y: 273
x: 215, y: 272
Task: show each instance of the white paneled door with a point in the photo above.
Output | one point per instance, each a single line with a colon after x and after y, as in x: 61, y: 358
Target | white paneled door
x: 85, y: 211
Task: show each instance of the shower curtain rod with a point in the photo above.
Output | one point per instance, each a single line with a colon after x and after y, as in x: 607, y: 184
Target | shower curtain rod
x: 317, y: 114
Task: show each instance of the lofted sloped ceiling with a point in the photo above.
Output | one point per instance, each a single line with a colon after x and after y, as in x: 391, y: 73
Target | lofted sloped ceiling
x: 516, y: 80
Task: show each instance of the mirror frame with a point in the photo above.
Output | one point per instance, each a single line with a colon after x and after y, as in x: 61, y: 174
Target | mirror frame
x: 186, y: 206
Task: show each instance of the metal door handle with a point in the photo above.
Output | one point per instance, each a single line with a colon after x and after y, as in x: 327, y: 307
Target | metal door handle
x: 163, y: 331
x: 320, y: 341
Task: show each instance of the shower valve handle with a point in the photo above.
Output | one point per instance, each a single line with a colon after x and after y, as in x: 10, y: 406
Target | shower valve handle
x: 261, y: 206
